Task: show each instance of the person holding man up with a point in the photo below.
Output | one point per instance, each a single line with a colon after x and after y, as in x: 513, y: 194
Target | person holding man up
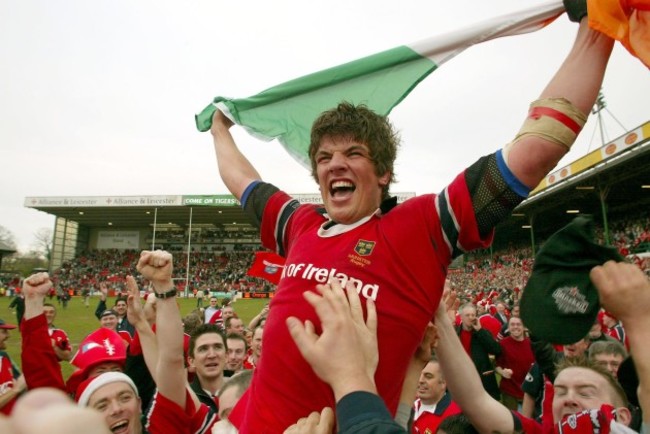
x: 361, y: 235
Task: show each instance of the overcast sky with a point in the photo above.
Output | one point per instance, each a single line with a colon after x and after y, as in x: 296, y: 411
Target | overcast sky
x: 98, y: 97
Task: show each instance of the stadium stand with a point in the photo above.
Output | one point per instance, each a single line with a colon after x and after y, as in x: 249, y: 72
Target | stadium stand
x: 97, y: 238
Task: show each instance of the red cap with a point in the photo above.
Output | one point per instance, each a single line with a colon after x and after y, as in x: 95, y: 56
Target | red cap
x: 101, y: 346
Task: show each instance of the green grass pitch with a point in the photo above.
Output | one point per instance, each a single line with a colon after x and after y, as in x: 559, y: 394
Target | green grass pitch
x: 78, y: 320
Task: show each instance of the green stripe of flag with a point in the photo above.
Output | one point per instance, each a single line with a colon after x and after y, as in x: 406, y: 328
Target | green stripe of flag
x: 287, y: 111
x: 381, y: 81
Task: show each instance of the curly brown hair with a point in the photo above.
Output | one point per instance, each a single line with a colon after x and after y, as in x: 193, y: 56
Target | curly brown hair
x: 364, y: 126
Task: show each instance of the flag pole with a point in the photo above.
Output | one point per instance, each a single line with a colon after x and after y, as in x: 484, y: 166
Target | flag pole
x: 189, y: 246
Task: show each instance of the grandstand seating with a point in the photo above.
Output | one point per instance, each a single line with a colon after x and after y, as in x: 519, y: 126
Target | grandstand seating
x: 219, y: 269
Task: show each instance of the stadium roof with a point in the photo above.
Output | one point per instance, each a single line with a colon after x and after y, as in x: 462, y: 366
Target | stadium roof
x: 115, y: 212
x: 118, y: 212
x: 619, y: 171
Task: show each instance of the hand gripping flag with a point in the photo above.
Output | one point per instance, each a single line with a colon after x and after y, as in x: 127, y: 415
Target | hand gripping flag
x: 380, y: 81
x: 267, y: 265
x: 627, y: 21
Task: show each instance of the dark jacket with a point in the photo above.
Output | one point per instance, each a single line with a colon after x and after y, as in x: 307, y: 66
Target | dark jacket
x: 365, y: 413
x: 122, y: 324
x: 203, y: 396
x: 19, y: 303
x: 483, y: 344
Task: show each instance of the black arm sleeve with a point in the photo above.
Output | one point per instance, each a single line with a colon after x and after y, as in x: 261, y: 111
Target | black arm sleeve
x: 101, y: 307
x: 136, y: 369
x: 257, y: 200
x: 492, y: 197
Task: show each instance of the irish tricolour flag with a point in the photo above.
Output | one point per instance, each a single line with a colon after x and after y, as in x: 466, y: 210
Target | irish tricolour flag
x: 287, y: 111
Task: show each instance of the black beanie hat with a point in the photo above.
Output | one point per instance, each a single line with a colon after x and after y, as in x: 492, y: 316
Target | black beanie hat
x: 560, y: 304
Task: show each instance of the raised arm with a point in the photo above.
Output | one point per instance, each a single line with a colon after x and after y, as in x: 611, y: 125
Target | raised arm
x: 235, y: 169
x: 170, y: 375
x: 101, y: 305
x: 625, y: 292
x: 464, y: 383
x: 136, y: 316
x: 257, y: 319
x: 558, y: 116
x: 40, y: 364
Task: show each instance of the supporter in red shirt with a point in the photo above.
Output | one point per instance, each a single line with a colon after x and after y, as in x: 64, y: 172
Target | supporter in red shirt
x: 256, y: 349
x: 175, y: 408
x: 236, y: 353
x: 491, y: 324
x: 12, y: 383
x: 513, y: 364
x: 433, y: 403
x: 60, y: 340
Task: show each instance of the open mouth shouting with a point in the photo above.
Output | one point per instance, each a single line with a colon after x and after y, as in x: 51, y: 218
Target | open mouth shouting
x: 341, y: 189
x: 120, y: 427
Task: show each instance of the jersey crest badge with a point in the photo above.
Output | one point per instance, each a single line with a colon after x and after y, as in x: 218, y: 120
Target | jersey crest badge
x: 364, y: 248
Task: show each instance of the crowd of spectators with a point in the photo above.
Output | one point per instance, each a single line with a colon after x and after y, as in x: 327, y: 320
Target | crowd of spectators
x: 502, y: 274
x: 223, y: 271
x: 505, y: 273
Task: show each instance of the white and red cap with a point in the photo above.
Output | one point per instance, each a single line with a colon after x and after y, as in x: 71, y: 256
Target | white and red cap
x: 91, y: 385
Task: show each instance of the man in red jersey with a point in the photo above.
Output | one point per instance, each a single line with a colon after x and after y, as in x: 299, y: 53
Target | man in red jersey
x: 434, y: 403
x: 513, y: 363
x: 12, y: 383
x: 60, y: 340
x: 395, y: 254
x: 255, y: 352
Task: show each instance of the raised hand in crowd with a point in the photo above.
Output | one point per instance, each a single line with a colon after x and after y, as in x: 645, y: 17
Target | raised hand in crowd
x: 624, y: 290
x: 35, y: 289
x: 345, y: 356
x: 418, y: 362
x: 346, y: 364
x: 177, y: 405
x: 137, y: 312
x: 257, y: 319
x: 142, y: 318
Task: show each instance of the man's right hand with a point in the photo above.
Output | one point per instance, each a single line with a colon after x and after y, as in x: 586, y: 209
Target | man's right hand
x: 156, y: 267
x: 345, y: 354
x: 220, y: 122
x: 37, y: 286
